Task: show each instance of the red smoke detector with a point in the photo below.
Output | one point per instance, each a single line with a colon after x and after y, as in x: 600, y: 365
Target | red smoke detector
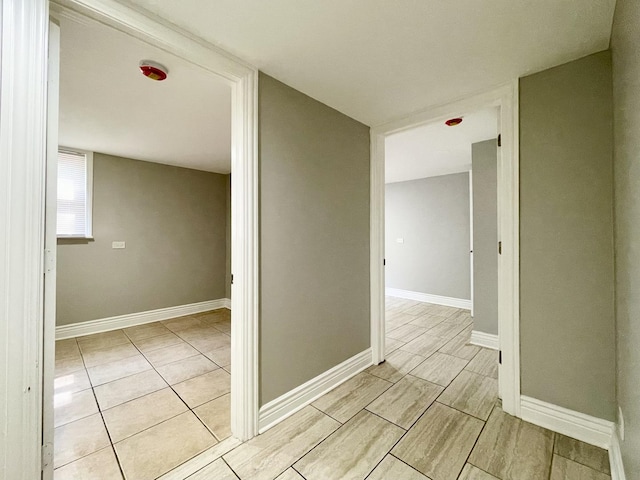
x: 452, y: 122
x: 153, y: 70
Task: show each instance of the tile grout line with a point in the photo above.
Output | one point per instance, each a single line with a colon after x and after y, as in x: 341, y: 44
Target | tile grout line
x: 113, y: 447
x: 189, y: 409
x: 342, y: 425
x: 193, y: 410
x: 405, y: 432
x: 100, y: 411
x: 553, y: 449
x: 484, y: 422
x: 578, y: 462
x: 410, y: 466
x: 553, y: 452
x: 226, y: 463
x: 484, y: 425
x: 325, y: 413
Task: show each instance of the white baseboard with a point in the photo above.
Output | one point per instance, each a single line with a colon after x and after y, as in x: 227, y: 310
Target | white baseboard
x: 286, y: 405
x: 615, y: 457
x: 133, y: 319
x: 588, y: 429
x: 487, y: 340
x: 426, y: 297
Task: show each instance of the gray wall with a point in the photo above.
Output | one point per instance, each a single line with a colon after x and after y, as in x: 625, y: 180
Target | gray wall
x: 626, y: 95
x: 173, y: 221
x: 314, y: 233
x: 484, y: 157
x: 566, y: 236
x: 432, y: 216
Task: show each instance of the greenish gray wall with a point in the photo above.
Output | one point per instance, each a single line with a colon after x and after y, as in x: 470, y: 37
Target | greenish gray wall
x: 567, y: 328
x: 625, y: 46
x: 314, y: 238
x: 173, y: 221
x: 484, y: 162
x: 431, y: 215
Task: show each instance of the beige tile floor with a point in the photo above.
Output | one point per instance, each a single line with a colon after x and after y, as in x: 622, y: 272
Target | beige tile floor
x: 429, y: 412
x: 139, y: 402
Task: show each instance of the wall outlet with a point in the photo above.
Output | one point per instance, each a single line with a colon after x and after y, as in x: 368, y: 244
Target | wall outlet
x: 621, y: 424
x: 118, y: 245
x: 399, y: 240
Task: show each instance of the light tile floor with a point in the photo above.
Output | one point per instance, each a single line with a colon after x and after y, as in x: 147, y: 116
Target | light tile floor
x: 141, y: 401
x: 429, y: 412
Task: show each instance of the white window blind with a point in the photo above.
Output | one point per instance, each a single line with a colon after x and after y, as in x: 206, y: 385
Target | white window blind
x: 74, y: 193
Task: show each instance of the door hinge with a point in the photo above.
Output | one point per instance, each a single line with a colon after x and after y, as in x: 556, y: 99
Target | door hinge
x: 500, y: 357
x: 49, y: 261
x: 47, y: 454
x: 500, y: 248
x: 500, y: 140
x: 384, y: 262
x: 232, y: 279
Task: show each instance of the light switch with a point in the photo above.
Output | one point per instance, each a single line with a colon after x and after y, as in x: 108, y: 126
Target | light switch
x: 117, y: 244
x: 399, y: 240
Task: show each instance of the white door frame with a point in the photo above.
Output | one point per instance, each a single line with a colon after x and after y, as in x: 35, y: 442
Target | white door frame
x: 471, y: 289
x: 23, y: 120
x: 23, y: 131
x: 506, y: 99
x: 243, y: 80
x: 50, y: 246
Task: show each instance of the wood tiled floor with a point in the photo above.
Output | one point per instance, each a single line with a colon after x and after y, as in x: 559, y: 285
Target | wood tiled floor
x: 429, y: 412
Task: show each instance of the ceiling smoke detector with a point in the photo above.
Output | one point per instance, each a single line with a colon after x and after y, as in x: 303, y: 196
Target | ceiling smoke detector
x: 452, y: 122
x: 153, y: 70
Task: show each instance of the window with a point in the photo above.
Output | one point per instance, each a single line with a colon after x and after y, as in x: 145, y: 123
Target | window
x: 75, y: 179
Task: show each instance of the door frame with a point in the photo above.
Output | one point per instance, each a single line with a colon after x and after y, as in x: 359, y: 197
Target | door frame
x: 23, y: 120
x: 506, y: 99
x: 243, y: 80
x: 24, y: 32
x: 471, y: 284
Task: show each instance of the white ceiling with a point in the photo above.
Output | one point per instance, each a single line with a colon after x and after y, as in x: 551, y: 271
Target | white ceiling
x: 436, y: 149
x: 376, y: 60
x: 107, y: 106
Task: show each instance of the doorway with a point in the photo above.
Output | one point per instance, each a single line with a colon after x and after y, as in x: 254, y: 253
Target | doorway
x: 505, y: 100
x: 142, y: 279
x: 242, y: 81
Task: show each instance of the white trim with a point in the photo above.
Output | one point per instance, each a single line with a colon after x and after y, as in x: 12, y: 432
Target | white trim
x: 506, y: 99
x: 509, y: 261
x: 50, y: 274
x: 377, y: 249
x: 428, y: 298
x: 286, y: 405
x: 23, y: 119
x: 615, y: 457
x: 471, y: 239
x: 588, y: 429
x: 245, y: 254
x: 486, y: 340
x: 132, y: 319
x: 243, y: 80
